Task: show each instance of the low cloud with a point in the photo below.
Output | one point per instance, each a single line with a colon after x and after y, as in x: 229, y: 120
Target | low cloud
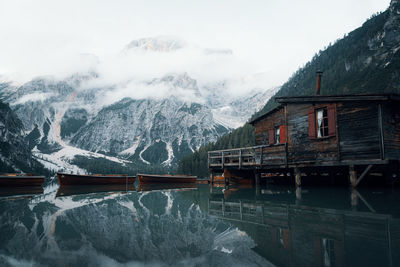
x: 34, y: 97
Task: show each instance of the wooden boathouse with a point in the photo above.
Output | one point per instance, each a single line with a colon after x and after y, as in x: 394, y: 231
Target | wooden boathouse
x: 320, y: 134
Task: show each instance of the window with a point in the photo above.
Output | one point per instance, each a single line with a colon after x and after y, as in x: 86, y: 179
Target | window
x: 328, y: 250
x: 277, y: 135
x: 322, y: 122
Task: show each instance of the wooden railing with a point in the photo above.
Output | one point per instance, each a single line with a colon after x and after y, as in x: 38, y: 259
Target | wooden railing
x: 239, y: 157
x: 256, y: 213
x: 247, y: 156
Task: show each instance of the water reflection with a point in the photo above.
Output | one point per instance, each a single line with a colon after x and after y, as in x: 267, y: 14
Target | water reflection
x: 167, y: 186
x: 316, y: 226
x: 67, y: 190
x: 161, y: 228
x: 199, y: 226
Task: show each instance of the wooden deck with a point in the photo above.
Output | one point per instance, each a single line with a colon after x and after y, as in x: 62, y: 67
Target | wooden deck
x: 247, y: 157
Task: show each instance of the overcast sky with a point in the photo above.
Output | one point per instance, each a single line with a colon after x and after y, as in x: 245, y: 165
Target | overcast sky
x: 48, y: 37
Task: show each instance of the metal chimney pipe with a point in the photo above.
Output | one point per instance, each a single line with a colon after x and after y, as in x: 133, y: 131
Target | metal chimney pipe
x: 319, y: 75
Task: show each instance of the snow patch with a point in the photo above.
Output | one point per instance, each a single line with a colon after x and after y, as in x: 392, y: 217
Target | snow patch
x: 141, y: 152
x: 131, y: 150
x: 170, y: 155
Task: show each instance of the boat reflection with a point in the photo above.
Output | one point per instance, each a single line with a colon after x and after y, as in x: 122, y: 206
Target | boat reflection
x: 315, y: 227
x: 167, y: 186
x: 69, y: 190
x: 22, y: 191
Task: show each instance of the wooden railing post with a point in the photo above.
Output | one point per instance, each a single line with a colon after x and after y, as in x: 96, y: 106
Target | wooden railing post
x: 240, y: 158
x: 223, y: 159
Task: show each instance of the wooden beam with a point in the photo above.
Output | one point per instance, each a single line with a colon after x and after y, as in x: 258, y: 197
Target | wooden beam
x: 365, y: 202
x: 363, y: 174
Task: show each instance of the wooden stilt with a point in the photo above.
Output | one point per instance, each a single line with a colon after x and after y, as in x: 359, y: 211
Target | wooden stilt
x: 354, y: 199
x: 257, y: 178
x: 298, y: 193
x: 297, y: 176
x: 353, y: 176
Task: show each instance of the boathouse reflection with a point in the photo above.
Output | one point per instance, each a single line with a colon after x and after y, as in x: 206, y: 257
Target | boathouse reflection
x: 315, y: 228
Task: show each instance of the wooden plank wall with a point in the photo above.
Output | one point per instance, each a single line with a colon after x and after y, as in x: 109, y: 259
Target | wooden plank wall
x: 274, y: 155
x: 391, y: 130
x: 261, y: 127
x: 301, y: 148
x: 359, y: 130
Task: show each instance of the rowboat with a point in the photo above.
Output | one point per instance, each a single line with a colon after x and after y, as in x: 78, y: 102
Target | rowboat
x: 70, y: 190
x: 94, y: 179
x: 176, y: 179
x: 23, y: 179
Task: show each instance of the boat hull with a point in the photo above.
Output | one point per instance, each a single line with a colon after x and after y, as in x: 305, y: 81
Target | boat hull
x: 21, y: 181
x: 76, y: 179
x: 174, y: 179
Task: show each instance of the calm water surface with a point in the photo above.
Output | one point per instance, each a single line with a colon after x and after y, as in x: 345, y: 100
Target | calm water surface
x: 199, y: 226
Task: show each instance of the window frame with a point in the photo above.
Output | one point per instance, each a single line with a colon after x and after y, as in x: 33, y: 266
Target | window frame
x: 277, y: 135
x: 324, y: 123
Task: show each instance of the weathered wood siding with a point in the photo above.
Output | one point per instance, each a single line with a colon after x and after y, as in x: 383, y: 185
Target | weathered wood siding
x: 301, y: 148
x: 274, y: 155
x: 262, y: 127
x: 359, y: 130
x: 391, y: 130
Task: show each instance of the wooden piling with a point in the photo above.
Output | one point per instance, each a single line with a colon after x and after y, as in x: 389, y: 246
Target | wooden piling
x: 353, y: 176
x: 297, y: 175
x: 257, y: 178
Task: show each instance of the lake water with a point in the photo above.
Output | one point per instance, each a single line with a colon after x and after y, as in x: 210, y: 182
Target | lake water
x: 199, y: 226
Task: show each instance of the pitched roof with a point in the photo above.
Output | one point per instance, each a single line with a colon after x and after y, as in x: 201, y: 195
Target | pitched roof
x: 337, y: 98
x: 326, y: 99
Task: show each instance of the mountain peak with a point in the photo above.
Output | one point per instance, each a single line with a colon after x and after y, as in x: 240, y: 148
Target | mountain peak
x: 156, y: 44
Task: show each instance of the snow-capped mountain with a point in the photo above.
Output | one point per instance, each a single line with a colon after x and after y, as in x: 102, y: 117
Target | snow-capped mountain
x: 15, y: 154
x: 152, y: 121
x: 159, y: 44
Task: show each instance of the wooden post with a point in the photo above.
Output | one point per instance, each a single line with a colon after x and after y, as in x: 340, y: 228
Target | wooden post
x: 257, y: 178
x: 212, y: 177
x: 354, y: 199
x: 241, y: 210
x: 381, y: 136
x: 353, y: 176
x: 240, y: 159
x: 297, y: 176
x: 298, y: 193
x: 223, y: 207
x: 223, y: 159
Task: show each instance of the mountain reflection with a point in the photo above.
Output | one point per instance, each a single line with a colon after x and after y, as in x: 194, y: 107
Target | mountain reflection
x: 117, y: 227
